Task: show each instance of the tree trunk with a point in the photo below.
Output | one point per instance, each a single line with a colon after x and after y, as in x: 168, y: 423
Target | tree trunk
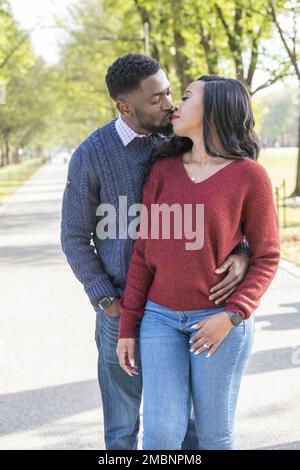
x: 296, y: 191
x: 6, y: 149
x: 145, y: 17
x: 180, y: 61
x: 15, y: 156
x: 1, y: 152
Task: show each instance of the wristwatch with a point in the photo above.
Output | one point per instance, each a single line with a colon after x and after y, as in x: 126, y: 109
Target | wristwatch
x: 235, y: 318
x: 105, y: 302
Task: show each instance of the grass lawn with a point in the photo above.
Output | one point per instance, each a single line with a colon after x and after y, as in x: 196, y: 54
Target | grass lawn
x: 13, y: 176
x: 281, y: 163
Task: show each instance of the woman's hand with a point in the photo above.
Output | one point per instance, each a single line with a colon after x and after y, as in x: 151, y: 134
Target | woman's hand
x: 125, y: 352
x: 211, y: 332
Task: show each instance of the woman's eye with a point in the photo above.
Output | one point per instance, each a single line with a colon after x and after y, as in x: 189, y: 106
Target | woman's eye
x: 184, y: 98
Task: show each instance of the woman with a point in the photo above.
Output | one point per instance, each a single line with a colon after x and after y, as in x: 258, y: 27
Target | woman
x: 191, y: 350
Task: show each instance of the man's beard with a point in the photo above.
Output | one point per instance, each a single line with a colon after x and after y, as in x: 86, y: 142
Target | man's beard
x: 166, y: 131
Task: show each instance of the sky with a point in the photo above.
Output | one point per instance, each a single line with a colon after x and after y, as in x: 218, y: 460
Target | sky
x: 30, y: 12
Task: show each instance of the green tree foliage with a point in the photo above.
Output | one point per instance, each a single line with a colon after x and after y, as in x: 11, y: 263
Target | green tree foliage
x: 279, y: 117
x: 27, y: 84
x: 62, y: 104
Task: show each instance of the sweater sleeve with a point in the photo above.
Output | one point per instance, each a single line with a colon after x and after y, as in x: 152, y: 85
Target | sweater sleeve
x: 242, y: 247
x: 261, y: 229
x: 139, y: 277
x: 78, y: 225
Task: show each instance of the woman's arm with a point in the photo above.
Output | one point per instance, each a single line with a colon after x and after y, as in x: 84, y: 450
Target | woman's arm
x: 261, y: 229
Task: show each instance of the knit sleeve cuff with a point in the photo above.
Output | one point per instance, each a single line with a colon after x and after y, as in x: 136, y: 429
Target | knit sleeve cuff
x: 127, y: 325
x: 101, y: 289
x: 236, y: 309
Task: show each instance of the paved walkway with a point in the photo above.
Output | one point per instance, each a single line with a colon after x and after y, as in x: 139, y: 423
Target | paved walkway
x: 48, y: 388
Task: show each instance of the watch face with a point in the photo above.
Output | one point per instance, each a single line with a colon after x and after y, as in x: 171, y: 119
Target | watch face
x: 104, y: 302
x: 236, y: 319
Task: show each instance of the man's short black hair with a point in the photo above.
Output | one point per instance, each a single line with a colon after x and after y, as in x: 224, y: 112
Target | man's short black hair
x: 126, y: 73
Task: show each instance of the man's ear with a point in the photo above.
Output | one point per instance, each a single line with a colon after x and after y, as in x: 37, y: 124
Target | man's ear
x: 123, y: 107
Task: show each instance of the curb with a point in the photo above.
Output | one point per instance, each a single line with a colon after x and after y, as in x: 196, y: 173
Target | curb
x: 10, y: 199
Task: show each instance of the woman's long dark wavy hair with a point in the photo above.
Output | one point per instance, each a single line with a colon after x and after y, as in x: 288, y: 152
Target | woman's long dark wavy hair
x: 227, y: 116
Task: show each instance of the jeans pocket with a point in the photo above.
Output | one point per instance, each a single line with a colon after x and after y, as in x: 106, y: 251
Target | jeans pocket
x: 240, y: 328
x: 113, y: 317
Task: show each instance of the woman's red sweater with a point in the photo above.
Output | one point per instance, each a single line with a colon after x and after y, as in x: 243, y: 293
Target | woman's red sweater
x: 234, y: 202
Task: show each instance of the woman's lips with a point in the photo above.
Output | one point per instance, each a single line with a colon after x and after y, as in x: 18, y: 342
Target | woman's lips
x: 175, y: 117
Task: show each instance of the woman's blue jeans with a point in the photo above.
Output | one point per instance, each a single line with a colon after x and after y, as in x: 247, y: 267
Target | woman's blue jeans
x: 174, y: 377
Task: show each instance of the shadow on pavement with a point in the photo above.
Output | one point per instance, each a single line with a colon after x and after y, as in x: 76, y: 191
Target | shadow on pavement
x: 27, y: 410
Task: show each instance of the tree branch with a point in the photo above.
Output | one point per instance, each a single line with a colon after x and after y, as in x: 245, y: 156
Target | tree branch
x: 271, y: 81
x: 290, y: 53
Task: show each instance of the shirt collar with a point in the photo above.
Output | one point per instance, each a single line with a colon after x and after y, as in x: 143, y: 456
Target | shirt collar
x: 125, y: 132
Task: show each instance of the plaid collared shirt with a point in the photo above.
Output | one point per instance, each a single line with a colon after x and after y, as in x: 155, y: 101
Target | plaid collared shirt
x: 125, y: 132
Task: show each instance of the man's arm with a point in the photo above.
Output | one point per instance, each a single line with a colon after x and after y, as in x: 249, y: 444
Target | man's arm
x: 242, y: 247
x: 78, y: 223
x: 236, y: 264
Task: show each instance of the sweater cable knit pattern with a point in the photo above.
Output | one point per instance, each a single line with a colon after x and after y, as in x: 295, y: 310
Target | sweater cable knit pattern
x: 101, y: 169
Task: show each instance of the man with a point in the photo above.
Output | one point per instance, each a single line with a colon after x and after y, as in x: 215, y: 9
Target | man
x: 108, y: 164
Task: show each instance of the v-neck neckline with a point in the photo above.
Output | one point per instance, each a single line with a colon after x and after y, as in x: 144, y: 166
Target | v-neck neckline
x: 181, y: 163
